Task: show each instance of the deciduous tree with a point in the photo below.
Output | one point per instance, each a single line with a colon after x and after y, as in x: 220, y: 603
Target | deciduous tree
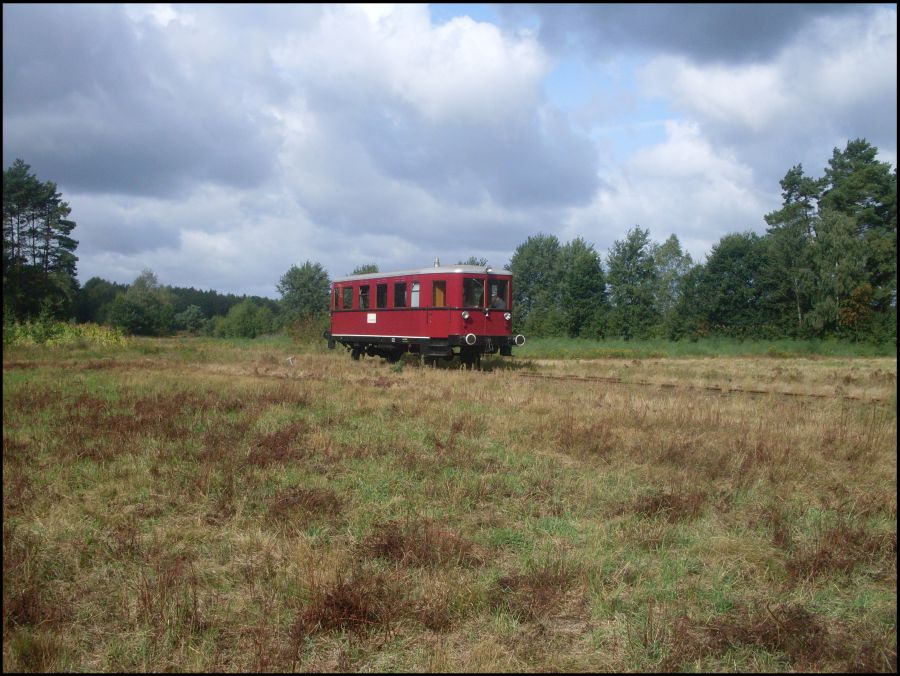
x: 304, y: 291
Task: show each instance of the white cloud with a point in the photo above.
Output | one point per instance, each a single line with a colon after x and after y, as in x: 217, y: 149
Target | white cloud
x: 752, y: 97
x: 683, y: 186
x: 461, y: 68
x: 837, y: 81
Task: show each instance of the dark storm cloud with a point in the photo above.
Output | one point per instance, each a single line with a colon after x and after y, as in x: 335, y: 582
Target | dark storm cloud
x: 100, y: 107
x: 704, y: 32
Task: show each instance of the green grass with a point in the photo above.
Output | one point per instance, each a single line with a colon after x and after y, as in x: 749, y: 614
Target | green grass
x: 579, y: 348
x: 199, y: 504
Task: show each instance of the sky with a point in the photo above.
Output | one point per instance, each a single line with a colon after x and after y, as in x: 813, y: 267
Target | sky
x: 220, y: 144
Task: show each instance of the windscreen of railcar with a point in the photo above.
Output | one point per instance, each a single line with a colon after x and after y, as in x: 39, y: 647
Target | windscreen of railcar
x: 473, y: 292
x: 498, y: 292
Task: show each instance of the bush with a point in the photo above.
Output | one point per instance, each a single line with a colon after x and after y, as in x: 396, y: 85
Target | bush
x: 245, y: 320
x: 53, y: 333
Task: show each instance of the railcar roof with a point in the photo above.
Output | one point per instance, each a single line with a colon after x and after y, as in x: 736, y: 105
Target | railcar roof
x: 442, y: 270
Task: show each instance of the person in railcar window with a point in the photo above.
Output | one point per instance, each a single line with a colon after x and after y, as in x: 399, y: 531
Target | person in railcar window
x: 498, y: 294
x: 364, y: 297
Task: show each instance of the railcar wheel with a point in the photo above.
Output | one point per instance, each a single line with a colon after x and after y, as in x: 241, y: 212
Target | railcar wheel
x: 355, y: 354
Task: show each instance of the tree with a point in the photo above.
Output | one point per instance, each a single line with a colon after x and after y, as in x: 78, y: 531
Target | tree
x: 730, y: 290
x: 672, y: 264
x: 366, y: 269
x: 39, y: 263
x: 536, y: 285
x: 304, y: 291
x: 689, y: 318
x: 94, y: 299
x: 582, y: 289
x: 633, y: 284
x: 861, y: 187
x: 145, y: 309
x: 475, y: 260
x: 843, y: 296
x: 190, y: 319
x: 245, y: 320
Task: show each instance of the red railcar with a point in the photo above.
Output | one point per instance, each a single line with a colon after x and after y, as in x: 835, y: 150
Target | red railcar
x: 437, y: 312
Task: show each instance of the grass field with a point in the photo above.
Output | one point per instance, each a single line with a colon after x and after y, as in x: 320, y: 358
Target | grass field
x: 203, y: 505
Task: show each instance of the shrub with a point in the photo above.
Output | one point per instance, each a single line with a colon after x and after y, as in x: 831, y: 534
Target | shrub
x: 53, y: 333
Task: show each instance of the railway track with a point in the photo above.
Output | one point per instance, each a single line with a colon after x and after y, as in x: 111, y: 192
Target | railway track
x: 291, y: 374
x: 714, y: 389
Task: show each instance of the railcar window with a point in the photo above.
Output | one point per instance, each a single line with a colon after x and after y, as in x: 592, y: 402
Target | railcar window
x: 399, y: 294
x: 499, y: 293
x: 364, y: 297
x: 438, y: 294
x: 473, y: 292
x: 336, y: 299
x: 414, y: 295
x: 347, y: 300
x: 381, y: 295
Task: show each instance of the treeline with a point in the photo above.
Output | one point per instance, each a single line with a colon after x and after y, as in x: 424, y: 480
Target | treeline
x: 146, y: 307
x: 826, y: 267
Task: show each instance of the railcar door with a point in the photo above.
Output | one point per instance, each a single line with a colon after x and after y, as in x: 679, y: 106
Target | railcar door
x: 438, y: 312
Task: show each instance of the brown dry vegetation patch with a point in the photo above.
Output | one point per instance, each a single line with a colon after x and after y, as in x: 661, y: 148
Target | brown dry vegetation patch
x: 358, y: 601
x: 30, y: 398
x: 291, y: 394
x: 535, y: 595
x: 28, y: 599
x: 806, y: 640
x: 420, y: 543
x: 774, y: 519
x: 278, y: 447
x: 99, y: 429
x: 841, y: 550
x: 380, y: 383
x: 20, y: 365
x: 221, y: 442
x: 15, y: 450
x: 18, y: 492
x: 669, y: 505
x: 169, y: 595
x: 298, y: 506
x: 591, y: 439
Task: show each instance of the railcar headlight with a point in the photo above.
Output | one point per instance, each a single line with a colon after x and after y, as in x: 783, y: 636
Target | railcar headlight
x: 465, y: 314
x: 507, y: 316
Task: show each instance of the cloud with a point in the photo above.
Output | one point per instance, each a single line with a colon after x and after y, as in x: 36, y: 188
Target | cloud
x: 103, y: 105
x: 724, y: 33
x: 453, y: 110
x: 837, y: 81
x: 220, y: 144
x: 715, y: 195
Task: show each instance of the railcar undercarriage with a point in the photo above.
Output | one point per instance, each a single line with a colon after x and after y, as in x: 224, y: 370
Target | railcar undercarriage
x: 469, y: 348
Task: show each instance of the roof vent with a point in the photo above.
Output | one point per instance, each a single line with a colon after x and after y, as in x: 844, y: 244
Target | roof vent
x: 437, y: 262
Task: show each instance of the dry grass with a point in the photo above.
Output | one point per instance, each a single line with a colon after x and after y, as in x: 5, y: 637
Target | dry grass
x: 191, y: 505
